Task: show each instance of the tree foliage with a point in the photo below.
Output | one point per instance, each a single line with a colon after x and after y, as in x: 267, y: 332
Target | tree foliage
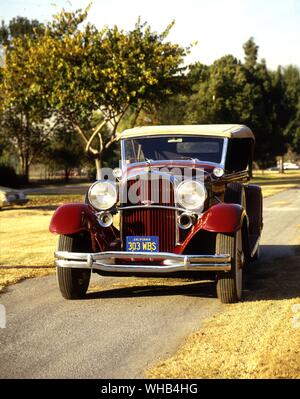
x: 291, y: 79
x: 18, y: 27
x: 251, y: 53
x: 80, y: 70
x: 231, y: 91
x: 68, y: 76
x: 24, y: 118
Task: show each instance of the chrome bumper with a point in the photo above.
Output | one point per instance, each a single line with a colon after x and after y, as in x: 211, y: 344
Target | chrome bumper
x: 167, y: 262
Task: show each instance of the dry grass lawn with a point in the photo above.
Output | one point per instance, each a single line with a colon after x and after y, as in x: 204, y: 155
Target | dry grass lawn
x: 26, y: 245
x: 25, y: 238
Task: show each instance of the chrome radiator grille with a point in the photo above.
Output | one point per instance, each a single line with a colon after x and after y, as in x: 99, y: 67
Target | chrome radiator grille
x: 149, y: 221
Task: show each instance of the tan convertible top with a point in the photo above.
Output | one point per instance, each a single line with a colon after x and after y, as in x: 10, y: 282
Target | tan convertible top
x: 230, y: 131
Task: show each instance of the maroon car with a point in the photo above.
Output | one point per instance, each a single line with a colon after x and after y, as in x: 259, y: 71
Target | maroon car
x: 180, y: 204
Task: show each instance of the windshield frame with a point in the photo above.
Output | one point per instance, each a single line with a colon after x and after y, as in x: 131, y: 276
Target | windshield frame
x: 221, y: 164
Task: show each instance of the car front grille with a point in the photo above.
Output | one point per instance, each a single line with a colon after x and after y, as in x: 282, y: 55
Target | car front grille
x: 150, y: 221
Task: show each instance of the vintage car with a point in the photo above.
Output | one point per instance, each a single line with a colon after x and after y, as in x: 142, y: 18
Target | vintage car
x: 11, y: 196
x: 185, y: 207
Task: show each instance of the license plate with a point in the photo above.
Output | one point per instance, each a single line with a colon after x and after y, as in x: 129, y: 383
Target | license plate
x: 142, y: 243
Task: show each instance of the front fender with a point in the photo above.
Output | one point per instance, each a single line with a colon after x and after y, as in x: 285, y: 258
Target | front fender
x: 220, y: 218
x: 71, y: 219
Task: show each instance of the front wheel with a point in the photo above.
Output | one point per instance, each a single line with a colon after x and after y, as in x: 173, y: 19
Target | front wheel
x: 229, y: 284
x: 73, y: 283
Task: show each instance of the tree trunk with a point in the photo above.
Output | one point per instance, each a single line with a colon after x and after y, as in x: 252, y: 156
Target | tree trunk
x: 24, y: 168
x: 67, y: 174
x: 281, y: 169
x: 137, y: 113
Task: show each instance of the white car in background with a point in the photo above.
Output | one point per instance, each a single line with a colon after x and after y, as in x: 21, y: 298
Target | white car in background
x: 11, y: 196
x: 286, y: 166
x: 290, y: 166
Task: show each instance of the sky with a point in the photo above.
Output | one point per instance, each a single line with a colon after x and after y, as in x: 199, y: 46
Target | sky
x: 219, y: 27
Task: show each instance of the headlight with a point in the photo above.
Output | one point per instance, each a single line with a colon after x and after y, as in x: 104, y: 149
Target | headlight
x: 191, y: 194
x: 103, y: 195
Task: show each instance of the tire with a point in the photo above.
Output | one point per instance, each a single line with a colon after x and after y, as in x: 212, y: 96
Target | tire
x: 73, y: 283
x: 229, y: 284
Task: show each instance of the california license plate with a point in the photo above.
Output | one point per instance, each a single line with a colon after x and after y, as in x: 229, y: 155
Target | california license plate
x: 142, y: 243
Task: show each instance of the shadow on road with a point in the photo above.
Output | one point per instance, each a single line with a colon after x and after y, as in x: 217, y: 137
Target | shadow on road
x: 276, y: 276
x: 203, y: 289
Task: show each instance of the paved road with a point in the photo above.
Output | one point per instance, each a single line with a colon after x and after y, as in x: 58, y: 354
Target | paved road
x: 118, y: 332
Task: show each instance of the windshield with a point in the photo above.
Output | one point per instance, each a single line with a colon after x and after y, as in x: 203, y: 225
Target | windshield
x: 207, y: 149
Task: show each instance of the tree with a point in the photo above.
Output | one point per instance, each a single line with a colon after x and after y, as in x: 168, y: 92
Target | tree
x: 291, y: 77
x: 24, y: 120
x: 259, y: 118
x: 281, y: 117
x: 266, y: 116
x: 251, y: 53
x: 218, y: 96
x: 80, y: 72
x: 229, y: 91
x: 18, y: 27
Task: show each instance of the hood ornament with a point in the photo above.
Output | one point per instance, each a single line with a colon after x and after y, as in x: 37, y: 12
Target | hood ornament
x: 147, y: 202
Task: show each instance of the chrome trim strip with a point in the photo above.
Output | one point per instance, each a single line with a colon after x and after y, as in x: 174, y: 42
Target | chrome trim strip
x: 105, y: 261
x: 154, y: 164
x: 255, y: 246
x: 224, y: 153
x: 123, y: 160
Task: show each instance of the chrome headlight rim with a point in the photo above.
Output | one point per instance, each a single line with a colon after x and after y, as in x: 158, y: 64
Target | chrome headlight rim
x: 110, y: 203
x: 218, y: 171
x: 200, y: 204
